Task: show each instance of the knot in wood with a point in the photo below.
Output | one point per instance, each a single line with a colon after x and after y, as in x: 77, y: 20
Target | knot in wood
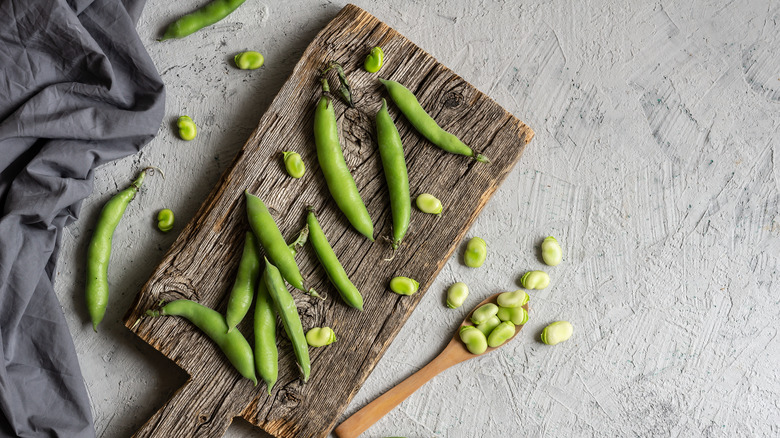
x: 453, y: 99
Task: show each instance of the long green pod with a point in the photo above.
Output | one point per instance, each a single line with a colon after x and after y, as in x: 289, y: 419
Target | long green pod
x: 288, y: 312
x: 340, y: 183
x: 269, y: 236
x: 424, y: 124
x: 245, y: 283
x: 205, y: 16
x: 99, y: 251
x: 392, y: 152
x: 266, y: 354
x: 212, y: 323
x: 336, y: 273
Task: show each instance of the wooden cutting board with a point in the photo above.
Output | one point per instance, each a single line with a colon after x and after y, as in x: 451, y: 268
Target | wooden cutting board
x: 202, y: 262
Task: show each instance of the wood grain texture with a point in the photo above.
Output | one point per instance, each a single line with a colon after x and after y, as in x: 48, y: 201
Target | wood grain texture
x: 201, y: 263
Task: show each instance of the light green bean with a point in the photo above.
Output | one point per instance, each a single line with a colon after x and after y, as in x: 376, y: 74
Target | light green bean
x: 187, y: 128
x: 476, y: 252
x: 513, y: 299
x: 483, y: 313
x: 535, y: 280
x: 517, y: 315
x: 320, y: 336
x: 374, y: 60
x: 456, y: 295
x: 249, y: 60
x: 165, y: 220
x: 428, y: 203
x: 293, y: 163
x: 488, y: 326
x: 475, y: 340
x: 501, y: 334
x: 557, y: 332
x: 551, y: 251
x: 404, y: 285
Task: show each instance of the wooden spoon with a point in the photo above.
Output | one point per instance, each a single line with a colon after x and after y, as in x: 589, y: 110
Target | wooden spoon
x: 454, y: 353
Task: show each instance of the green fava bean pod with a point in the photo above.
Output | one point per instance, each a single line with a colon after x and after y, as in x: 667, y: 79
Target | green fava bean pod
x: 457, y: 294
x: 293, y: 163
x: 476, y: 252
x: 552, y: 254
x: 205, y: 16
x: 488, y: 326
x: 517, y: 315
x: 266, y: 353
x: 475, y: 340
x: 336, y: 273
x: 428, y: 203
x: 483, y: 313
x: 392, y: 153
x: 165, y: 220
x: 288, y: 312
x: 374, y: 60
x: 339, y: 180
x: 424, y: 123
x: 249, y: 60
x: 501, y: 334
x: 557, y: 332
x: 212, y: 323
x: 404, y: 285
x: 320, y: 336
x: 187, y: 128
x: 513, y: 299
x: 271, y: 239
x: 99, y: 250
x: 535, y: 280
x: 245, y: 283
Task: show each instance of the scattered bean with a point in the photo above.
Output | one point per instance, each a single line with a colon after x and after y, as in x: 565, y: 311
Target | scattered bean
x: 535, y: 280
x: 456, y: 295
x: 293, y: 163
x: 557, y: 332
x: 205, y: 16
x: 501, y: 334
x: 374, y: 60
x: 551, y: 251
x: 428, y: 203
x: 187, y: 129
x: 513, y: 299
x: 320, y: 336
x: 249, y: 60
x: 475, y: 340
x: 245, y: 283
x: 476, y: 252
x: 165, y: 220
x: 488, y: 326
x: 483, y: 313
x: 404, y: 285
x: 212, y: 323
x: 517, y: 315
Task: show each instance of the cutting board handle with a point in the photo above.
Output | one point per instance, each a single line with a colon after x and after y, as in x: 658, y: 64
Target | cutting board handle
x: 187, y: 414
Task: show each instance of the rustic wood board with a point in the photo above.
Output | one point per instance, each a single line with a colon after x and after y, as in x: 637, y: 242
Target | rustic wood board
x: 202, y: 261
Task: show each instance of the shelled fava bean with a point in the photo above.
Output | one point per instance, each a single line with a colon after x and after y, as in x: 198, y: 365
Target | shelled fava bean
x: 501, y: 334
x: 535, y: 280
x: 320, y: 336
x: 557, y: 332
x: 487, y: 326
x: 187, y: 128
x: 456, y: 295
x: 551, y: 251
x: 517, y: 315
x: 476, y: 252
x: 483, y: 313
x: 513, y: 299
x: 249, y: 60
x: 293, y: 163
x: 404, y: 285
x: 475, y: 340
x: 428, y: 203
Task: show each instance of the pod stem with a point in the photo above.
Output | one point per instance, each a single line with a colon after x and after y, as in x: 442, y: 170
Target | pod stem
x: 482, y: 159
x: 345, y: 91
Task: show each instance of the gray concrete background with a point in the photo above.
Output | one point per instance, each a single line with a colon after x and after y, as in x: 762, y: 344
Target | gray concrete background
x: 655, y: 163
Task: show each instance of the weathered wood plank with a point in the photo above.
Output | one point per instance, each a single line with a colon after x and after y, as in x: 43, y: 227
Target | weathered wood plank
x: 201, y: 263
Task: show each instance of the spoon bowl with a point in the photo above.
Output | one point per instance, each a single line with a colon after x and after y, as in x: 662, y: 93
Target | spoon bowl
x: 454, y: 353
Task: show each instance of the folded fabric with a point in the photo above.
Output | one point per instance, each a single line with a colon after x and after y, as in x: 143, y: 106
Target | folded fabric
x: 77, y: 89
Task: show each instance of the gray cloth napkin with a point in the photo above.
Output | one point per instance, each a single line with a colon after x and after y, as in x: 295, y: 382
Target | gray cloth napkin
x: 77, y: 89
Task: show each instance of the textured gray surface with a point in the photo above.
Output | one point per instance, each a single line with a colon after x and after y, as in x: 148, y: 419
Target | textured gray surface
x: 654, y: 163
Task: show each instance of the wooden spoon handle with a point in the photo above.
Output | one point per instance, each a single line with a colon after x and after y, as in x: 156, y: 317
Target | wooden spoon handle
x: 372, y: 412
